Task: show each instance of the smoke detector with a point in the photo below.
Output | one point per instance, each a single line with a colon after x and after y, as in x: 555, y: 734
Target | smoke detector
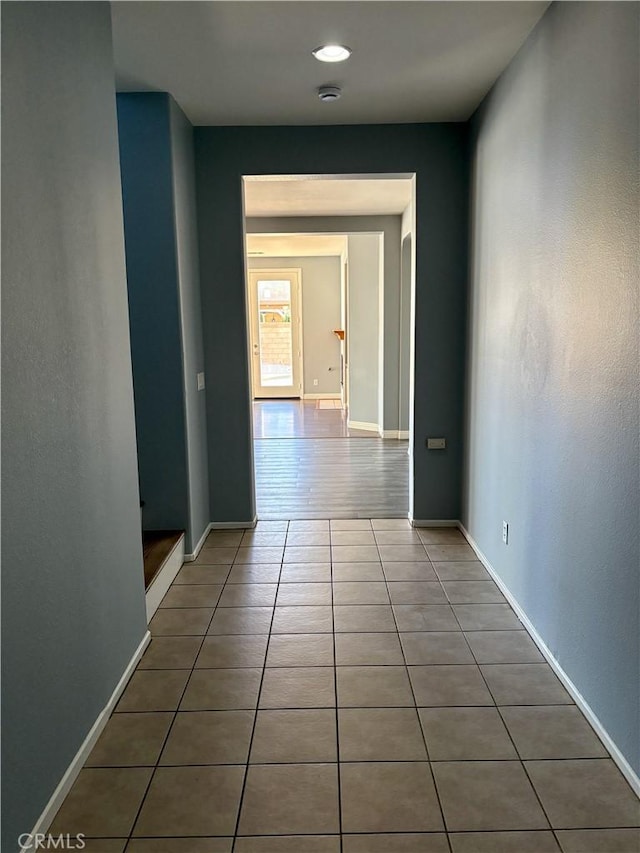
x: 329, y: 93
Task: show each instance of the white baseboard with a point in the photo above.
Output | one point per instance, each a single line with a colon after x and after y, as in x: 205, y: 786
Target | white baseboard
x: 218, y: 525
x: 400, y: 434
x: 334, y: 396
x: 57, y: 798
x: 365, y: 425
x: 434, y: 522
x: 625, y: 768
x: 165, y: 577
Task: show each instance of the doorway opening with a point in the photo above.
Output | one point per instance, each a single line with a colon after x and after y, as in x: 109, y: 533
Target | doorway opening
x: 327, y: 337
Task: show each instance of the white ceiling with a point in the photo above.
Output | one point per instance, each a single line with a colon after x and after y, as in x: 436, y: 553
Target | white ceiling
x: 244, y: 62
x: 316, y: 196
x: 295, y: 245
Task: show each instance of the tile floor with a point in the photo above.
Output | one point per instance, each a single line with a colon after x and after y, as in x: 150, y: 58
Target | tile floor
x: 354, y: 686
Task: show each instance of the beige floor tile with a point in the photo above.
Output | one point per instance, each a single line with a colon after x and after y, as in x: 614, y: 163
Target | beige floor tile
x: 588, y: 793
x: 295, y: 594
x: 192, y: 595
x: 300, y: 650
x: 255, y: 573
x: 270, y: 526
x: 290, y: 798
x: 228, y: 538
x: 451, y: 552
x: 289, y: 844
x: 360, y: 592
x: 295, y: 737
x: 397, y: 537
x: 303, y: 525
x: 354, y: 554
x: 409, y: 571
x: 352, y: 537
x: 440, y: 535
x: 180, y: 845
x: 466, y: 734
x: 298, y: 687
x: 248, y: 595
x: 539, y: 841
x: 307, y: 619
x: 230, y: 652
x: 133, y: 740
x: 373, y: 687
x: 416, y: 592
x: 425, y: 617
x: 171, y: 653
x: 350, y: 524
x: 558, y: 731
x: 154, y: 690
x: 368, y: 649
x: 204, y: 575
x: 390, y: 524
x: 473, y: 592
x: 388, y: 797
x: 262, y: 539
x: 209, y: 737
x: 503, y: 647
x: 357, y: 572
x: 180, y: 799
x: 181, y: 622
x: 464, y: 571
x: 380, y: 734
x: 307, y: 538
x: 433, y: 647
x: 306, y: 573
x: 487, y: 795
x: 599, y: 840
x: 363, y: 617
x: 402, y: 553
x: 524, y: 684
x: 257, y: 554
x: 221, y: 690
x: 241, y: 620
x: 307, y: 554
x: 448, y: 686
x: 223, y: 555
x: 102, y: 802
x: 487, y: 617
x: 424, y: 842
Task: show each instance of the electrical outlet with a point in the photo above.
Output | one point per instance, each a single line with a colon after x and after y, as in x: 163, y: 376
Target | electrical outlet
x: 315, y: 381
x: 200, y: 379
x: 436, y: 444
x: 505, y: 532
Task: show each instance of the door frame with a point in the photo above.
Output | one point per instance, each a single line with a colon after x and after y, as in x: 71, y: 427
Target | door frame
x: 294, y: 275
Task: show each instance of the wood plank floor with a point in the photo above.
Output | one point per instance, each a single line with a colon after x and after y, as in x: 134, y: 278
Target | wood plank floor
x: 156, y: 547
x: 331, y: 478
x: 301, y: 419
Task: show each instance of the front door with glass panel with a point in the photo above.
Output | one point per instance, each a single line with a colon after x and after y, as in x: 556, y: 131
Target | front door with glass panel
x: 274, y: 302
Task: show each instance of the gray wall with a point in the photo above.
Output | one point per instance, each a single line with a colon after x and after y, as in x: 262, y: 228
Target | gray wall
x: 320, y: 315
x: 389, y: 226
x: 158, y: 187
x: 73, y: 594
x: 363, y: 329
x: 553, y: 368
x: 437, y: 153
x: 186, y: 237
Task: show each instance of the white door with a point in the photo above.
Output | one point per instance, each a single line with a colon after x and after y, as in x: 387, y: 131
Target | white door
x: 276, y: 340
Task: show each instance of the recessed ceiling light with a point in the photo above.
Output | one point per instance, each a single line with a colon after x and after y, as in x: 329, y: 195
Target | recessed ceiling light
x: 332, y: 53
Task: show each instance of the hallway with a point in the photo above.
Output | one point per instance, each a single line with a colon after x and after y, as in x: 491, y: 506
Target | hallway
x: 354, y: 686
x: 309, y: 464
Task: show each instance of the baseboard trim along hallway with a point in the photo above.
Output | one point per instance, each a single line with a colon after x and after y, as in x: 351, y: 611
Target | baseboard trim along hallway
x: 219, y: 525
x: 44, y: 821
x: 608, y: 742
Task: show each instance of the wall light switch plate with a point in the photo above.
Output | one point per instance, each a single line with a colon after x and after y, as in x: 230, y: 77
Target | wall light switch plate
x: 436, y: 444
x: 200, y: 378
x: 505, y: 532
